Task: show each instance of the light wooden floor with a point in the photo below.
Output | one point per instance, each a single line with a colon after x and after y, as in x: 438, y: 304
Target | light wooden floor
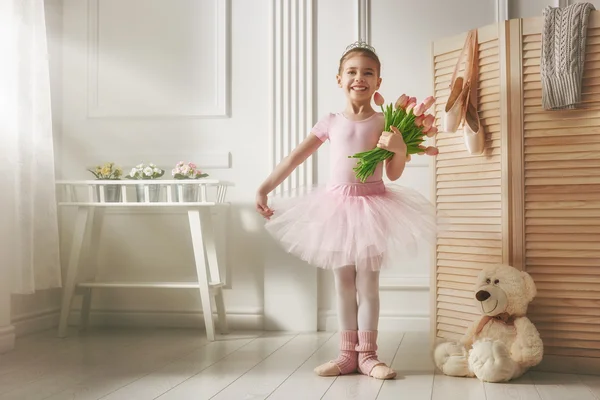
x: 180, y: 364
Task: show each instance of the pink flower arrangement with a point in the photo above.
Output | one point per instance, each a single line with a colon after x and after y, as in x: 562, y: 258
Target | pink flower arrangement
x: 187, y: 171
x: 411, y: 120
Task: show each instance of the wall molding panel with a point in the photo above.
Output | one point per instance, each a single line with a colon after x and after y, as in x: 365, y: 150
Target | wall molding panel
x: 363, y: 20
x: 218, y: 104
x: 502, y: 10
x: 292, y: 69
x: 291, y: 113
x: 562, y: 3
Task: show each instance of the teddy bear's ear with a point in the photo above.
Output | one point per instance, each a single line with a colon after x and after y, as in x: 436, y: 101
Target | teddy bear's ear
x: 530, y: 285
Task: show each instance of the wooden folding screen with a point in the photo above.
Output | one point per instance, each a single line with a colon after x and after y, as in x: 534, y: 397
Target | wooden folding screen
x: 532, y: 200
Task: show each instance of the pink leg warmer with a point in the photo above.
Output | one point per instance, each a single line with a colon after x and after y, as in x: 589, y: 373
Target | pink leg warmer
x: 347, y: 361
x: 368, y: 363
x: 367, y: 351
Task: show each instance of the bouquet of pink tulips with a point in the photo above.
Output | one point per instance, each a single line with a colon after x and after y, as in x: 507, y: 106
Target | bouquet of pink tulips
x: 410, y: 119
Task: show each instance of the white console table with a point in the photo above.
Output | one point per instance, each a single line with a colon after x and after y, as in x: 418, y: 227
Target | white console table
x: 92, y: 197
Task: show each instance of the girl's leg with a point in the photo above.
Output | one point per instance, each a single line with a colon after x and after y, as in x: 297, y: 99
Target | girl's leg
x: 345, y: 293
x: 367, y: 286
x: 345, y: 288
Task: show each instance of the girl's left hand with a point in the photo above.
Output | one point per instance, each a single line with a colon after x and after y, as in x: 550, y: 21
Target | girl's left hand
x: 392, y: 141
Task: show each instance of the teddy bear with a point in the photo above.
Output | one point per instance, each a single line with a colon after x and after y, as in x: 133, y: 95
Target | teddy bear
x: 501, y: 344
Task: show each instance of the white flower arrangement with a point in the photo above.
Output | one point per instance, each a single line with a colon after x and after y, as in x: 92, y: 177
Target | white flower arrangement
x: 142, y: 171
x: 187, y: 171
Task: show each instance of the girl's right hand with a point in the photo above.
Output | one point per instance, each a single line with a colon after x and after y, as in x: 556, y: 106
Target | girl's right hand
x: 261, y: 205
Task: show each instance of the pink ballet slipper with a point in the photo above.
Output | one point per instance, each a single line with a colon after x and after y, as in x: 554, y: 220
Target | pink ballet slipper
x: 347, y: 361
x: 368, y: 363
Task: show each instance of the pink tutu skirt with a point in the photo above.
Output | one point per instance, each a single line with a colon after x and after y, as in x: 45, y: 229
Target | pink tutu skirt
x: 361, y: 224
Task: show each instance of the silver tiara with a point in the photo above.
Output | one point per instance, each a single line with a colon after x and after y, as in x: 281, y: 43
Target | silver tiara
x: 360, y: 44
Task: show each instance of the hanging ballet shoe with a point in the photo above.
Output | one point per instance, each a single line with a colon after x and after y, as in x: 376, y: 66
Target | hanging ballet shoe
x: 473, y: 131
x: 454, y: 109
x: 473, y: 135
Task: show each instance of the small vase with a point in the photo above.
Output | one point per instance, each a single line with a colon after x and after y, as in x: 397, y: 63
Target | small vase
x: 153, y: 191
x: 112, y: 193
x: 190, y: 193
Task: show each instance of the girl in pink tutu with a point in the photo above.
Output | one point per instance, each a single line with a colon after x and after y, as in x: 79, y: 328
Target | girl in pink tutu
x: 347, y: 226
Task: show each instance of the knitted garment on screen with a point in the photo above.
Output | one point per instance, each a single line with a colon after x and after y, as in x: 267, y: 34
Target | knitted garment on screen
x: 563, y: 55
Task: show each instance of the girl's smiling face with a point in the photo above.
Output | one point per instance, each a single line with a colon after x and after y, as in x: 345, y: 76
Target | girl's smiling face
x: 359, y: 78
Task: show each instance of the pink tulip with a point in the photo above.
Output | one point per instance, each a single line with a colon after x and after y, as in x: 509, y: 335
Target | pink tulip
x: 412, y: 100
x: 410, y: 107
x: 402, y: 101
x: 419, y: 109
x: 428, y: 121
x: 378, y: 99
x: 432, y: 151
x: 419, y: 120
x: 429, y: 101
x: 432, y: 131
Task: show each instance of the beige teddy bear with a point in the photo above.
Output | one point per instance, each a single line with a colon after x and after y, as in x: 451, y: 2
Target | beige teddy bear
x: 503, y: 343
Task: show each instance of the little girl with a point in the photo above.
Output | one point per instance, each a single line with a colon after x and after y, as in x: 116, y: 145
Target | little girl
x: 349, y: 226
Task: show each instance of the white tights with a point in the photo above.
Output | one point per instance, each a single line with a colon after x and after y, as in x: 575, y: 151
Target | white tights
x: 357, y: 314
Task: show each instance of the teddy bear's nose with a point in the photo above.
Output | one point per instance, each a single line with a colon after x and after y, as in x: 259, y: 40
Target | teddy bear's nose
x: 482, y: 295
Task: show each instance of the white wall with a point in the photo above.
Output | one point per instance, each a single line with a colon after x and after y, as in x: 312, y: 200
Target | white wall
x: 533, y: 8
x: 153, y: 52
x: 157, y: 247
x: 149, y: 246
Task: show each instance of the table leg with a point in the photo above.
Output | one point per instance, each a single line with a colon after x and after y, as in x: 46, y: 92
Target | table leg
x: 97, y: 219
x: 199, y: 256
x: 213, y: 265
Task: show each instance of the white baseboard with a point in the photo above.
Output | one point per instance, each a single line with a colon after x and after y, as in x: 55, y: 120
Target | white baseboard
x: 405, y: 283
x: 7, y: 338
x: 35, y: 322
x: 241, y: 319
x: 388, y: 322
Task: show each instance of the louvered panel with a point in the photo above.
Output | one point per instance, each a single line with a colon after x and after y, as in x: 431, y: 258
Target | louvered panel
x: 586, y: 311
x: 468, y: 189
x: 455, y: 300
x: 562, y: 207
x: 533, y: 199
